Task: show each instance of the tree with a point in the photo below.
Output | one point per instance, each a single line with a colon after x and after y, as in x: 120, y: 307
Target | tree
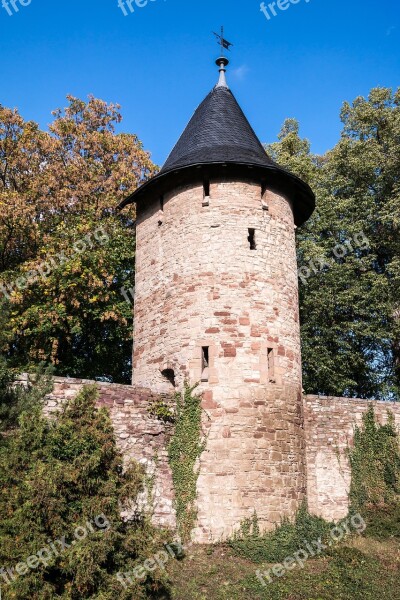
x: 21, y: 156
x: 349, y: 251
x: 366, y: 165
x: 16, y: 397
x: 62, y: 490
x: 65, y: 252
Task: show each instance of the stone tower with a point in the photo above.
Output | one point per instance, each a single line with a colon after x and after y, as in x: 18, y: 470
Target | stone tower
x: 216, y: 302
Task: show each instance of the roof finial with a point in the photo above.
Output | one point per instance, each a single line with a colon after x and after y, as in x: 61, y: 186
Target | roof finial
x: 222, y: 62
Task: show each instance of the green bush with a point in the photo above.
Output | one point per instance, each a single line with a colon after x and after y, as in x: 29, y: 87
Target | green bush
x: 383, y: 522
x: 16, y: 398
x: 375, y: 464
x: 57, y: 475
x: 283, y: 541
x: 161, y: 411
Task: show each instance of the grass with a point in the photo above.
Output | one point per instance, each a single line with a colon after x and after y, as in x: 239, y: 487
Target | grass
x: 360, y: 569
x: 364, y: 566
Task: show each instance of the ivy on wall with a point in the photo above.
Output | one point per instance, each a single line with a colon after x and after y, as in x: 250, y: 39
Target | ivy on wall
x: 375, y: 463
x: 184, y: 450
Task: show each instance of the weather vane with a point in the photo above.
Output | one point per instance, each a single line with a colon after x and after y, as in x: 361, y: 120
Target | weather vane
x: 225, y: 45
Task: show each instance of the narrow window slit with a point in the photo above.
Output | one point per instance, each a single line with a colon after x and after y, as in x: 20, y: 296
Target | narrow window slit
x: 252, y: 239
x: 263, y: 189
x: 206, y: 192
x: 271, y: 365
x: 205, y: 363
x: 160, y: 220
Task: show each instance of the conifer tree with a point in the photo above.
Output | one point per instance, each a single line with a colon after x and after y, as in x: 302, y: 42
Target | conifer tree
x: 62, y: 489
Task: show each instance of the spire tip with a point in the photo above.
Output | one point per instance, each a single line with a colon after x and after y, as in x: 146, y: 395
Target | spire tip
x: 222, y: 62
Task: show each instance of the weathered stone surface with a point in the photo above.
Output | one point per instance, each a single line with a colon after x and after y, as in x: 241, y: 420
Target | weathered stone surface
x: 329, y: 426
x: 254, y: 450
x: 198, y: 285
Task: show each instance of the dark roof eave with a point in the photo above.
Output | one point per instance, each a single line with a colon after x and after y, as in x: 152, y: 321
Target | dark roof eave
x: 304, y: 200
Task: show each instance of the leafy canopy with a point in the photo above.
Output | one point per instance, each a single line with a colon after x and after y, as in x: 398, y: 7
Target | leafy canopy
x: 57, y: 189
x: 349, y: 301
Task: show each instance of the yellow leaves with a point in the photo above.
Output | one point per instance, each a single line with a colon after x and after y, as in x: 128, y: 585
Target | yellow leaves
x: 54, y: 349
x: 62, y: 185
x: 110, y: 315
x: 16, y: 298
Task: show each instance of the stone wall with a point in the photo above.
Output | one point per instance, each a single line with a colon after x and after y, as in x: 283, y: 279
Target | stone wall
x: 253, y: 461
x: 248, y: 450
x: 329, y: 426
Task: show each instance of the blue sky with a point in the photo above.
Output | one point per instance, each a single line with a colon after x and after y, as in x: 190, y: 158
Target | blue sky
x: 158, y: 62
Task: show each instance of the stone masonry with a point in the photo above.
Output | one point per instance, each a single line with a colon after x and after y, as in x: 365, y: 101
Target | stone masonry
x: 329, y: 432
x: 209, y: 287
x: 206, y: 287
x: 330, y: 424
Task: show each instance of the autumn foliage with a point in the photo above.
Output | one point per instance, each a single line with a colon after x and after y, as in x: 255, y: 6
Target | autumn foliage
x: 63, y: 282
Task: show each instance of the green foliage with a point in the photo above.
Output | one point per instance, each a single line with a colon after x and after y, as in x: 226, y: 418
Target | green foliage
x: 16, y: 398
x: 375, y: 464
x: 184, y: 450
x: 55, y: 476
x: 161, y: 411
x: 383, y: 522
x: 349, y: 306
x: 283, y: 541
x: 293, y: 152
x: 58, y: 188
x: 70, y: 317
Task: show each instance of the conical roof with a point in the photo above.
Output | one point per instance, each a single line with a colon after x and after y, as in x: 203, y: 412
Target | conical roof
x: 218, y: 132
x: 220, y: 142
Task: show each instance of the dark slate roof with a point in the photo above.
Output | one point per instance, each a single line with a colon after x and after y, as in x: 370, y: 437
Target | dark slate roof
x: 219, y: 141
x: 218, y: 132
